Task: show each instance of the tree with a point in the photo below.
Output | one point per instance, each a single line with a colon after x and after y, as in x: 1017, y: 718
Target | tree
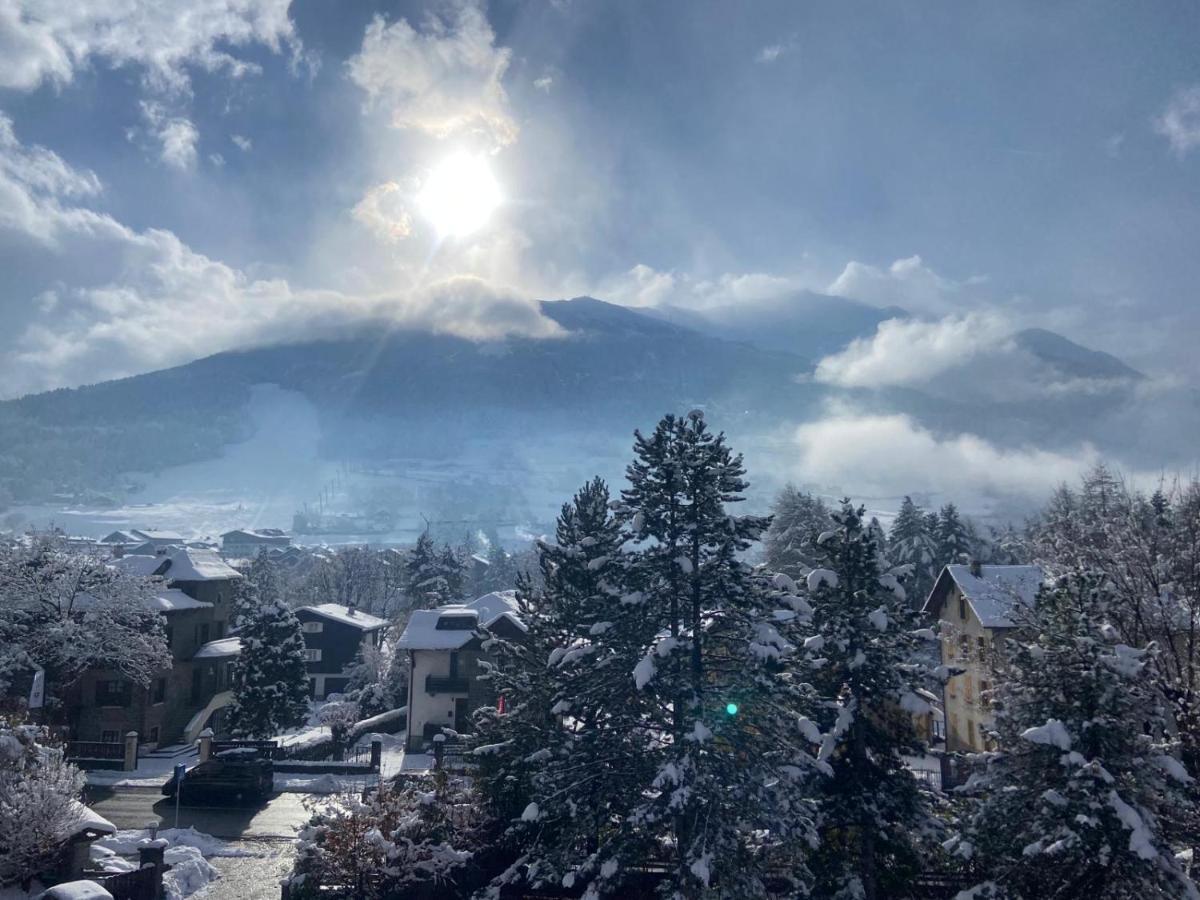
x: 435, y: 576
x: 953, y: 537
x: 1087, y: 787
x: 270, y: 676
x: 378, y: 680
x: 39, y: 808
x: 69, y: 612
x: 798, y: 519
x: 860, y: 657
x: 912, y: 543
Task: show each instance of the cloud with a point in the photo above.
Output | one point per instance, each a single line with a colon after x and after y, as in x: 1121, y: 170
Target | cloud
x: 544, y: 84
x: 769, y: 53
x: 242, y: 142
x: 892, y: 455
x: 142, y: 300
x: 644, y: 285
x: 52, y: 42
x: 382, y: 210
x: 176, y: 136
x: 909, y: 351
x: 1180, y: 121
x: 443, y: 81
x: 906, y: 282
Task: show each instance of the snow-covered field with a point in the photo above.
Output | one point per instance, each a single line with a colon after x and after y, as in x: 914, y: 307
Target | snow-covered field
x: 187, y: 852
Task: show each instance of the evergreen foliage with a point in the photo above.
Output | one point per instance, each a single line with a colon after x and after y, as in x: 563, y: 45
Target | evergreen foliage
x: 913, y: 542
x: 1087, y: 787
x: 435, y: 575
x: 798, y: 519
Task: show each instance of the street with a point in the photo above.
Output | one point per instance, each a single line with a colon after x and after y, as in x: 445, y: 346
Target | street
x: 276, y: 819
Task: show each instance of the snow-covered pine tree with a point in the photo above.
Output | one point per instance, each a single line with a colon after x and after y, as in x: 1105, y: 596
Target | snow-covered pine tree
x: 704, y: 634
x: 435, y: 575
x: 39, y: 809
x: 912, y: 543
x: 558, y: 762
x: 953, y: 537
x: 1086, y: 787
x: 798, y: 518
x: 860, y: 654
x: 270, y: 677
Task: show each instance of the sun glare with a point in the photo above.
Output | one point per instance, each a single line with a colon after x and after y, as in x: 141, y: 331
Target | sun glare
x: 460, y: 195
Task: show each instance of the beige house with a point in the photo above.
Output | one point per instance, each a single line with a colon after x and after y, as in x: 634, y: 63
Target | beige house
x: 975, y: 605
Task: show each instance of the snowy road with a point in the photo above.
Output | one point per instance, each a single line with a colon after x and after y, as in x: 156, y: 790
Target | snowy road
x: 277, y: 819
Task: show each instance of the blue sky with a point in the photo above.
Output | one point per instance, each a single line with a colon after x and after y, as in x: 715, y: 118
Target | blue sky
x: 172, y: 185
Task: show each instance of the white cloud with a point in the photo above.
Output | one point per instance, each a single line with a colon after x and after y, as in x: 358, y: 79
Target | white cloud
x: 644, y: 285
x: 910, y: 351
x: 443, y: 80
x: 176, y: 136
x: 544, y: 84
x: 143, y: 299
x: 770, y: 53
x: 51, y: 40
x: 242, y: 142
x: 906, y: 282
x: 891, y: 455
x: 383, y: 211
x: 1180, y: 121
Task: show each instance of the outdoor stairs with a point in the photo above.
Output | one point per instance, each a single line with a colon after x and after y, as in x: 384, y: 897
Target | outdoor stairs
x: 174, y: 751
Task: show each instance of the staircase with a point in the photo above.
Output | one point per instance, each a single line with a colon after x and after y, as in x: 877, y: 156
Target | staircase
x: 178, y: 752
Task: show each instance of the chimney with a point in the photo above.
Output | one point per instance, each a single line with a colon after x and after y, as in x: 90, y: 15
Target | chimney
x: 350, y: 608
x: 976, y: 568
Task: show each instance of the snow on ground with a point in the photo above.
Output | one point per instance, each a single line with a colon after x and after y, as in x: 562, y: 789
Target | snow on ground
x: 187, y: 852
x: 151, y: 772
x: 323, y: 784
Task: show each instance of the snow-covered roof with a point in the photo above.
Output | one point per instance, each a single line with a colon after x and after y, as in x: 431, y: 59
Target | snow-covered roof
x: 120, y: 537
x: 143, y: 565
x: 220, y: 649
x: 173, y: 599
x: 422, y: 632
x: 270, y: 534
x: 189, y: 564
x: 76, y: 890
x: 147, y: 535
x: 343, y: 614
x: 995, y: 592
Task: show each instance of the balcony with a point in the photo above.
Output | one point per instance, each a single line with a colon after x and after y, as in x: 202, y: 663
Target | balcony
x: 442, y: 684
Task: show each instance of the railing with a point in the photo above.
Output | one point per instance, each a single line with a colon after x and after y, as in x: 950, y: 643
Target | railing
x: 95, y: 750
x: 140, y: 884
x: 266, y: 749
x: 441, y: 684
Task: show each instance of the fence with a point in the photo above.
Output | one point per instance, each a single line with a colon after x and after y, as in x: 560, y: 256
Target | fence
x: 97, y: 754
x: 266, y: 749
x: 140, y: 884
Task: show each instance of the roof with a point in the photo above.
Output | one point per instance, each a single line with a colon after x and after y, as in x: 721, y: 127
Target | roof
x: 189, y: 564
x: 142, y: 564
x: 268, y: 534
x: 119, y: 537
x: 994, y: 593
x: 147, y: 535
x: 343, y: 614
x: 173, y: 599
x: 86, y: 820
x: 422, y: 632
x: 220, y: 649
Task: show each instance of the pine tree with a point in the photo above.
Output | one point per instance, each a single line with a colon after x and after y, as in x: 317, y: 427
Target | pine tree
x: 953, y: 536
x: 435, y: 576
x: 860, y: 656
x: 270, y: 676
x: 912, y: 543
x: 1086, y: 787
x: 798, y: 519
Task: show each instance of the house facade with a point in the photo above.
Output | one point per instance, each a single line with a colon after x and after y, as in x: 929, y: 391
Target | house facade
x: 196, y: 604
x: 445, y: 651
x: 334, y: 635
x: 976, y: 606
x: 246, y: 543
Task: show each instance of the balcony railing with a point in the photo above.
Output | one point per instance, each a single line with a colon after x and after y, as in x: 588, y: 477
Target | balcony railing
x: 441, y: 684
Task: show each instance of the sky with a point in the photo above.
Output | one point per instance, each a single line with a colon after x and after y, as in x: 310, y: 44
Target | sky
x: 179, y: 178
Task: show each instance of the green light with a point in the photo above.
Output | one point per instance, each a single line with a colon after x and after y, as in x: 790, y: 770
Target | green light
x: 731, y: 709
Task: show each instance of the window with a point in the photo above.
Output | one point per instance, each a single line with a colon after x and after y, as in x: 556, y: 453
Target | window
x: 954, y: 725
x: 962, y: 607
x: 969, y: 691
x: 964, y: 648
x: 313, y: 627
x: 312, y: 655
x: 985, y: 688
x: 456, y: 623
x: 160, y: 690
x: 154, y: 735
x: 939, y: 728
x: 971, y: 732
x: 982, y: 649
x: 112, y: 693
x: 220, y: 630
x: 110, y: 737
x: 202, y: 633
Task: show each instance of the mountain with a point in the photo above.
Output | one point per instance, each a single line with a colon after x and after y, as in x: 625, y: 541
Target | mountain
x: 1073, y: 360
x: 806, y: 324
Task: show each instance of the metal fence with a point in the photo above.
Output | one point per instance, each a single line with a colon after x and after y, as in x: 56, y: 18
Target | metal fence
x: 95, y: 750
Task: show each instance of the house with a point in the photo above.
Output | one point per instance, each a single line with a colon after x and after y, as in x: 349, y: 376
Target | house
x: 246, y: 543
x: 977, y: 604
x: 444, y: 651
x: 334, y: 635
x: 196, y: 603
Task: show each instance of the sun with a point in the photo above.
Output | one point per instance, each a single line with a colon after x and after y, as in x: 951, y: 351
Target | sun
x: 460, y: 195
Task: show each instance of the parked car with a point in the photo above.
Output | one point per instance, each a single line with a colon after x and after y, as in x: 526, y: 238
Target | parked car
x: 241, y: 777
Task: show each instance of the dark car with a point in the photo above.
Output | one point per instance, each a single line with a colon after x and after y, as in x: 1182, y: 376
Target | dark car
x: 236, y: 778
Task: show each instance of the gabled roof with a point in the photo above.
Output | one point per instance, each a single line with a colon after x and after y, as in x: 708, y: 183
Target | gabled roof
x: 338, y: 613
x: 222, y: 648
x: 119, y: 537
x: 184, y: 564
x: 993, y: 594
x: 423, y: 633
x: 144, y: 534
x: 268, y: 534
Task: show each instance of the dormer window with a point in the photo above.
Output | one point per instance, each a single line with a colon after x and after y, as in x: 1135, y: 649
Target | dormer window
x: 456, y: 623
